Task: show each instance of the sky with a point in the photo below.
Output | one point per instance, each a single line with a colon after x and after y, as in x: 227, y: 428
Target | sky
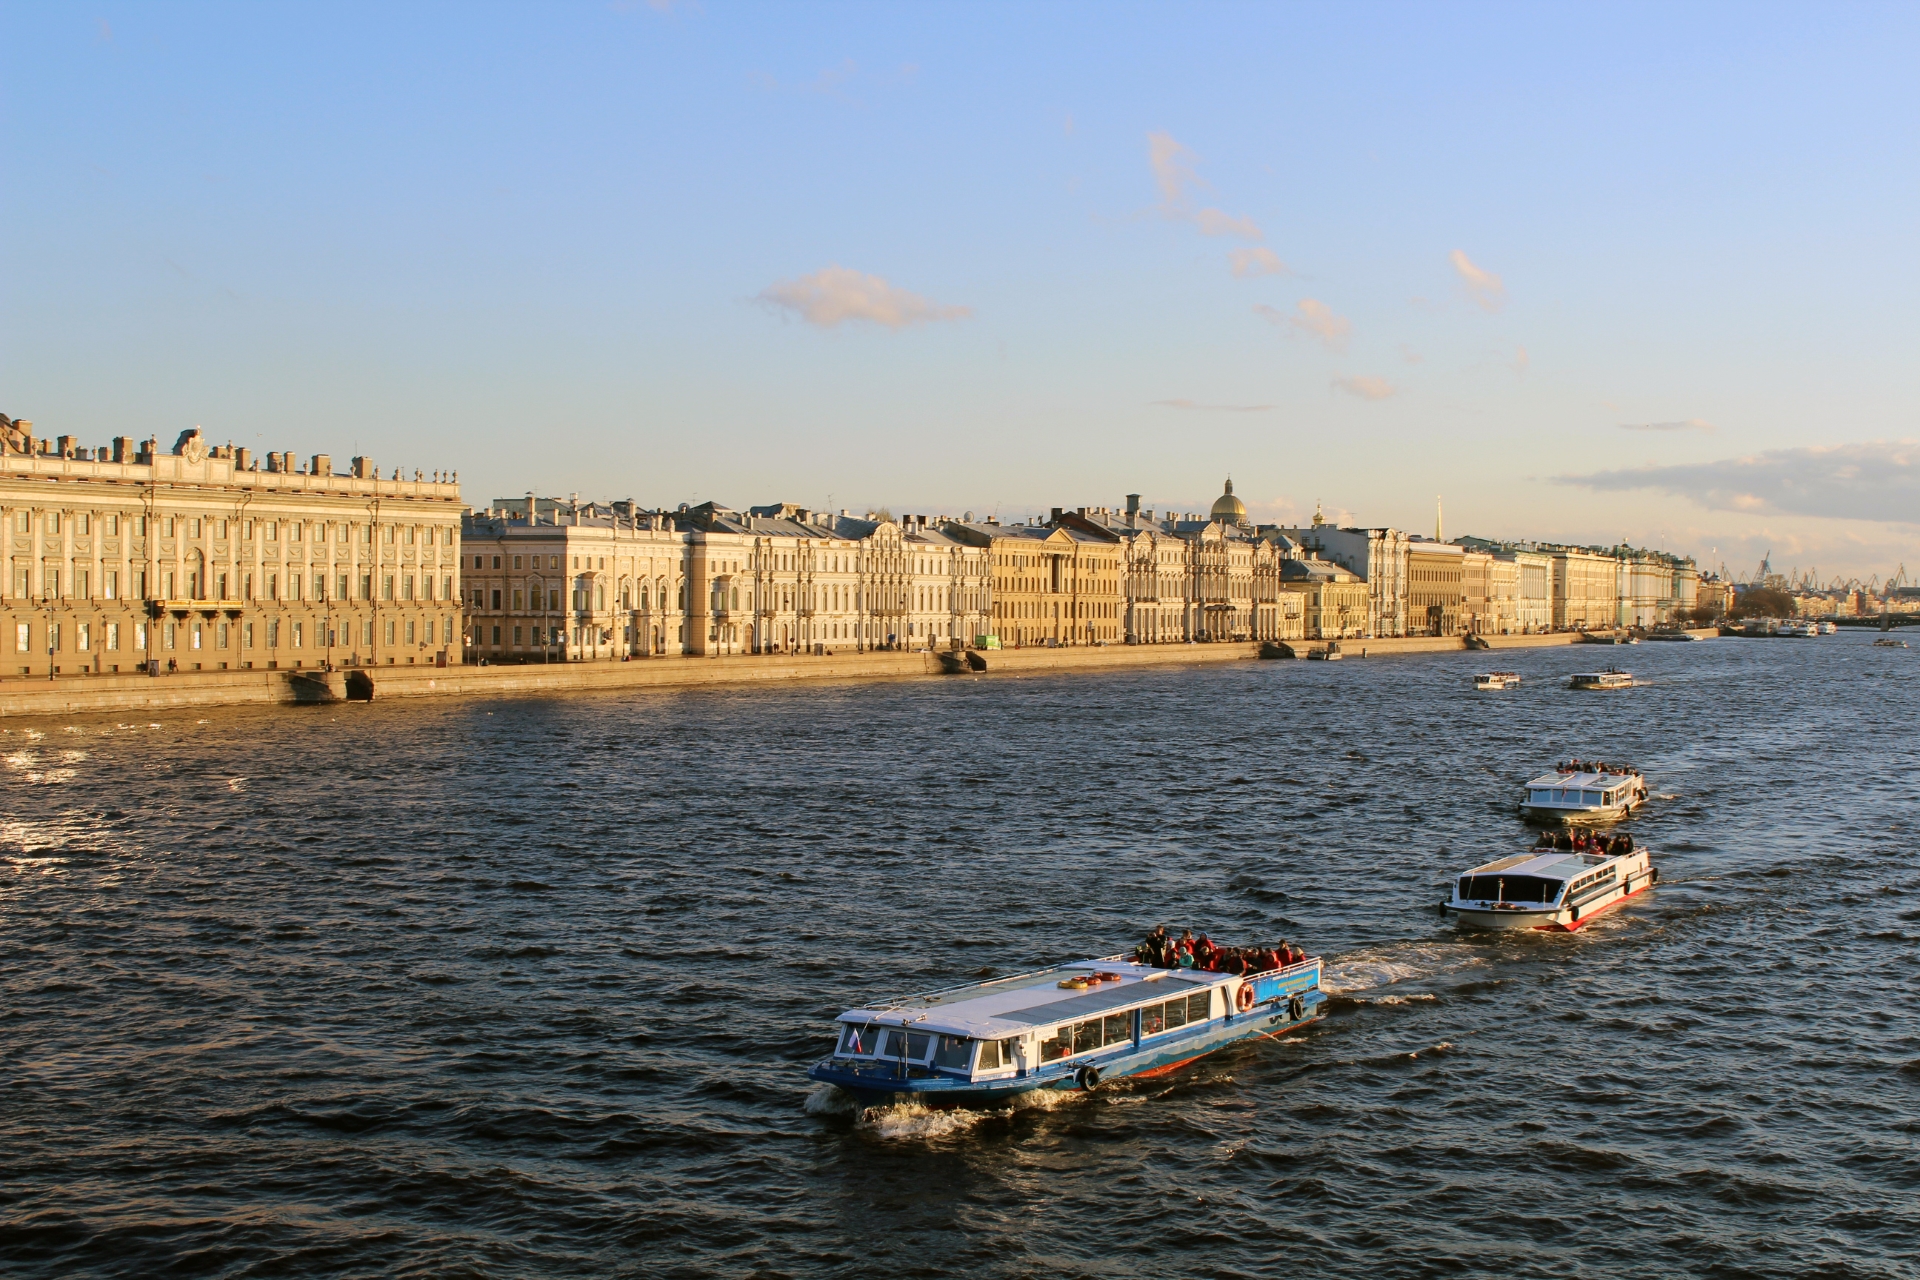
x: 1570, y: 272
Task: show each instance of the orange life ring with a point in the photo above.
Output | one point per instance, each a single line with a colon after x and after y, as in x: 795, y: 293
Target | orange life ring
x: 1245, y: 998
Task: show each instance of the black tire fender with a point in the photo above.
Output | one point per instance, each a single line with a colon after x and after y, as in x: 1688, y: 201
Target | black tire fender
x: 1297, y: 1007
x: 1088, y: 1077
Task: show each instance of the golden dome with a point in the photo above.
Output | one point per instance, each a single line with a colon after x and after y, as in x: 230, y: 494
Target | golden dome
x: 1229, y: 508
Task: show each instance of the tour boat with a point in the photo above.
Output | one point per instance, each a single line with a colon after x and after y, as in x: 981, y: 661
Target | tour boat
x: 1584, y: 796
x: 1065, y: 1027
x: 1549, y: 888
x: 1797, y: 630
x: 1889, y: 644
x: 1828, y: 628
x: 1330, y: 653
x: 1671, y: 635
x: 1497, y: 680
x: 1611, y: 678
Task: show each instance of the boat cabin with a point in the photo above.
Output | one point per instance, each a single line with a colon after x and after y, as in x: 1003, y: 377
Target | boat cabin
x: 1051, y: 1019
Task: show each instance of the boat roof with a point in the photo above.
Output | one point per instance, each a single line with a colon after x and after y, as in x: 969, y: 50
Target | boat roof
x: 1598, y: 780
x: 1552, y: 864
x: 1004, y: 1007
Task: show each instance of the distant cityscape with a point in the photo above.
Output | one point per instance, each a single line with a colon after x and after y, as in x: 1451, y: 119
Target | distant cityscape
x: 207, y: 557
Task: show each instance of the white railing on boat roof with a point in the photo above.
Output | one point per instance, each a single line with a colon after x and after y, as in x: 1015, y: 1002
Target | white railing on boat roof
x: 896, y: 1004
x: 893, y: 1003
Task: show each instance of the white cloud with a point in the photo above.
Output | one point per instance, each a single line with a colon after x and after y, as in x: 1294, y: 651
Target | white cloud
x: 1214, y: 222
x: 1212, y: 408
x: 1313, y: 318
x: 1486, y: 288
x: 835, y: 294
x: 1877, y: 480
x: 1365, y: 386
x: 1173, y: 173
x: 1259, y: 261
x: 1691, y: 424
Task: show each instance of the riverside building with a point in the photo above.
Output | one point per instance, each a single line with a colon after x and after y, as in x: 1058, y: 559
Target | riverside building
x: 553, y: 581
x: 124, y: 558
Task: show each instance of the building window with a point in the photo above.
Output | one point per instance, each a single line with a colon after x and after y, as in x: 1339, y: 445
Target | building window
x: 389, y: 632
x: 169, y: 635
x: 23, y: 522
x: 273, y: 633
x: 516, y: 562
x: 53, y: 638
x: 406, y: 588
x: 246, y: 635
x: 496, y: 598
x: 299, y: 633
x: 22, y: 637
x: 366, y: 632
x: 496, y: 637
x: 410, y: 639
x: 196, y: 636
x: 220, y: 635
x: 140, y: 635
x: 193, y: 527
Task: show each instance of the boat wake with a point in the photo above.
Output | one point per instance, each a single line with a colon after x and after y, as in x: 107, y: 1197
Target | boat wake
x: 1371, y: 968
x: 911, y: 1120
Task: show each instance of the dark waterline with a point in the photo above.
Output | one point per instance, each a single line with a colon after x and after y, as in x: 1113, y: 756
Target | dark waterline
x: 528, y: 988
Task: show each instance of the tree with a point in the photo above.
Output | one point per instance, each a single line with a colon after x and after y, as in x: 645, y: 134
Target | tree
x: 1763, y: 602
x: 1702, y: 615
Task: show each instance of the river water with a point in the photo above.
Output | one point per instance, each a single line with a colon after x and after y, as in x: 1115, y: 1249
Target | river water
x: 528, y: 987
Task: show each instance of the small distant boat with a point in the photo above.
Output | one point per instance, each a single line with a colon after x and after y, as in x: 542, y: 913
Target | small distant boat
x: 1065, y: 1027
x: 1497, y: 680
x: 1829, y: 628
x: 1671, y: 635
x: 1611, y: 678
x: 1330, y: 653
x: 1549, y: 888
x: 1797, y: 630
x: 1585, y: 796
x: 1617, y: 636
x: 1889, y: 644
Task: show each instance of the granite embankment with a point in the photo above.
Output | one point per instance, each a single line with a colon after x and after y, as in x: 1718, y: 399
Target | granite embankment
x: 67, y: 695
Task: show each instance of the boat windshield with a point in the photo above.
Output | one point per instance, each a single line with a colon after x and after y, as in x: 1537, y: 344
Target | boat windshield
x: 1509, y: 888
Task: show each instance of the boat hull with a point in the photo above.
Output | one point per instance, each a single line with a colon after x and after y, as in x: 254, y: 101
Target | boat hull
x: 1545, y: 920
x: 1604, y: 816
x: 1162, y: 1054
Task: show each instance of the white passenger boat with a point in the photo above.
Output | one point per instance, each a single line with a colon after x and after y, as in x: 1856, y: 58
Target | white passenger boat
x: 1611, y: 678
x: 1549, y: 888
x: 1068, y: 1026
x: 1584, y: 795
x: 1828, y: 628
x: 1797, y: 630
x: 1497, y: 680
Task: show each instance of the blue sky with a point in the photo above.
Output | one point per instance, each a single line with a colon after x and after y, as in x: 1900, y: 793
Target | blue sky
x: 1588, y: 272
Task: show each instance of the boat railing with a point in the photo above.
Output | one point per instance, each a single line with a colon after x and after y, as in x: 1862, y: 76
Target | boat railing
x: 895, y: 1003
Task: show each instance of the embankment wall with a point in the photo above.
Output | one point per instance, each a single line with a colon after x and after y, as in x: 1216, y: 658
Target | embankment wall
x: 24, y: 696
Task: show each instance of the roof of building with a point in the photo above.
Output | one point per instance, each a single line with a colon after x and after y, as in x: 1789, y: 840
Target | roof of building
x: 1228, y: 507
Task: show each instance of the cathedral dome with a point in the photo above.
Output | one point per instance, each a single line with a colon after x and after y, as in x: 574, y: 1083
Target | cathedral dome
x: 1229, y: 508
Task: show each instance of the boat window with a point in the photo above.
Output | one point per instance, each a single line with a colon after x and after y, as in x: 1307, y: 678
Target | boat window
x: 1119, y: 1028
x: 1589, y: 797
x: 1058, y: 1045
x: 1086, y: 1035
x: 1199, y: 1006
x: 858, y: 1039
x: 952, y: 1051
x: 917, y: 1043
x: 1509, y: 888
x: 1151, y: 1021
x: 989, y: 1056
x: 1176, y: 1014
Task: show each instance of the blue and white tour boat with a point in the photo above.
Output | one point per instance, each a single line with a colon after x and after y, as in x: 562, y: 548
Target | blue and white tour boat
x: 1065, y: 1027
x: 1557, y: 889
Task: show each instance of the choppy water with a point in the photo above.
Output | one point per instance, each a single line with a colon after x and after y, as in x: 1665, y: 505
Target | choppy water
x: 527, y: 988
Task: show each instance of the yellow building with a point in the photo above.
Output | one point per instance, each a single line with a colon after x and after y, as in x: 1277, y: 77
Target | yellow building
x: 1335, y: 603
x: 1435, y: 588
x: 124, y: 558
x: 1051, y: 584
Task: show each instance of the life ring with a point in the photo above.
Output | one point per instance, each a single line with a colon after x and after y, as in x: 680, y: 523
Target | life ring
x: 1297, y: 1007
x: 1245, y: 999
x: 1089, y: 1077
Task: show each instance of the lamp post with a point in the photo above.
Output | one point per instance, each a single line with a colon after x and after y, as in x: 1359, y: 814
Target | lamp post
x: 46, y: 597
